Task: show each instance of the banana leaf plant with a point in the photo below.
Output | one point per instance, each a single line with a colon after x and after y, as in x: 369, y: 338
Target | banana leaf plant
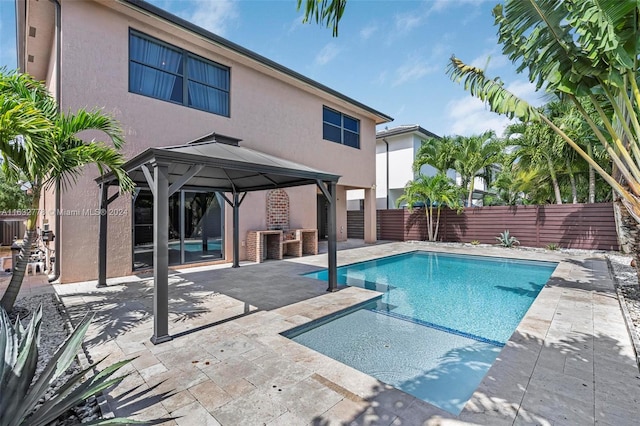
x: 585, y: 52
x: 22, y: 400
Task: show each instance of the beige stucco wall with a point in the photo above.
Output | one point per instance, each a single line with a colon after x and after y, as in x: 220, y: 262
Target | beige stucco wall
x: 267, y: 114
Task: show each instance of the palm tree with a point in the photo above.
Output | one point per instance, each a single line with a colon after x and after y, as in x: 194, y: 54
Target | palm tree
x: 473, y: 155
x: 590, y: 62
x: 40, y: 144
x: 431, y: 191
x: 537, y: 147
x: 436, y: 152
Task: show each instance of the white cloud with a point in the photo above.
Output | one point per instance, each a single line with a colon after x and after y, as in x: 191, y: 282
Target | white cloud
x: 327, y: 54
x: 214, y: 16
x: 495, y: 58
x: 295, y: 24
x: 413, y: 69
x: 382, y: 77
x: 469, y: 115
x: 526, y: 90
x: 368, y: 31
x: 407, y: 21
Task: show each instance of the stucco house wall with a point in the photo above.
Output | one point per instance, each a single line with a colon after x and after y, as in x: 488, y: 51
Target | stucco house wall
x: 269, y: 112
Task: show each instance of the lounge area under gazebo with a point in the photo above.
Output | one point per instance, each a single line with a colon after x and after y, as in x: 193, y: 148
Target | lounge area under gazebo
x: 212, y: 163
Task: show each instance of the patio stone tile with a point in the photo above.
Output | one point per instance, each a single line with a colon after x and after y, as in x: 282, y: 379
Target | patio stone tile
x: 143, y: 359
x: 258, y: 351
x: 151, y: 371
x: 558, y: 383
x: 559, y: 406
x: 255, y: 408
x: 276, y: 371
x: 529, y: 419
x: 231, y: 348
x: 341, y: 413
x: 288, y: 419
x: 357, y: 382
x: 177, y: 400
x: 187, y: 356
x: 391, y: 399
x: 305, y: 398
x: 194, y: 414
x: 608, y: 413
x: 176, y: 380
x: 483, y: 402
x: 375, y: 417
x: 551, y: 359
x: 154, y: 414
x: 134, y: 401
x: 210, y: 395
x: 419, y: 412
x: 238, y: 388
x: 131, y: 381
x: 230, y: 371
x: 552, y: 410
x: 483, y: 418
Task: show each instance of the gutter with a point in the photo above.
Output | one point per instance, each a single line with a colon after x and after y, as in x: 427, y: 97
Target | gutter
x: 387, y: 174
x: 56, y: 264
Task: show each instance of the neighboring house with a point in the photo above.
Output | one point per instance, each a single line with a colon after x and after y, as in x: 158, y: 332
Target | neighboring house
x: 396, y: 150
x: 170, y: 82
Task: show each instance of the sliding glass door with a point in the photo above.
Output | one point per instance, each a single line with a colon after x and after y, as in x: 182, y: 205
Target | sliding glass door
x: 196, y: 228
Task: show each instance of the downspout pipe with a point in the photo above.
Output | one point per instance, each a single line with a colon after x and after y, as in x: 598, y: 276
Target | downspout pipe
x: 387, y: 174
x: 56, y: 264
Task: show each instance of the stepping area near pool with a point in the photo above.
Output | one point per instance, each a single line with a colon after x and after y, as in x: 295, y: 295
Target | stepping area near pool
x: 570, y: 360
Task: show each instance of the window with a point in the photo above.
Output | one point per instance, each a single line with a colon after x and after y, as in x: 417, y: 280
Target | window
x: 162, y: 71
x: 340, y: 128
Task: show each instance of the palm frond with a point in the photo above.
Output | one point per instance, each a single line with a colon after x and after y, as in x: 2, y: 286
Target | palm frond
x: 325, y: 12
x: 492, y: 91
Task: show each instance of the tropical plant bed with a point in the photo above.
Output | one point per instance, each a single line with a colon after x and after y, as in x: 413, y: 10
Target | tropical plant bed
x: 53, y: 332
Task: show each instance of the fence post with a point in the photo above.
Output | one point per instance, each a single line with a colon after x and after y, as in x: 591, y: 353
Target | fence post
x: 537, y: 226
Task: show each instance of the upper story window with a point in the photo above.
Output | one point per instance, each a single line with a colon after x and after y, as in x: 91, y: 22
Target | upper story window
x: 166, y: 72
x: 340, y: 128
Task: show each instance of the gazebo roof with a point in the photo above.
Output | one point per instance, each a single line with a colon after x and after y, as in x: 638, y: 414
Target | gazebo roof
x: 222, y: 167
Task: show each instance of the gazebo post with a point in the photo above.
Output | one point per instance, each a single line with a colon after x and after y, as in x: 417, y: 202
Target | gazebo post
x: 160, y: 191
x: 236, y: 230
x: 332, y: 246
x: 102, y: 236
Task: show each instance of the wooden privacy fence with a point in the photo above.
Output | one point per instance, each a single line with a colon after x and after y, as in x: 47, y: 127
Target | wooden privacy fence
x: 584, y: 226
x: 11, y: 227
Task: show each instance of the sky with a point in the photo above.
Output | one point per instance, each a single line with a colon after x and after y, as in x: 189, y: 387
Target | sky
x: 389, y: 54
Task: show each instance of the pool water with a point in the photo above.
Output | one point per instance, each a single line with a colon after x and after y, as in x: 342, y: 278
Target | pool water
x: 196, y: 246
x: 439, y: 325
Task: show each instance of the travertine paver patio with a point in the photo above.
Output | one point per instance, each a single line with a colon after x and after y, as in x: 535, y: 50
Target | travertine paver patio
x: 569, y: 362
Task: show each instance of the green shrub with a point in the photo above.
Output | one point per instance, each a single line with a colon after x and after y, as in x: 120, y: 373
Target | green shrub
x: 23, y: 400
x: 506, y: 240
x: 552, y: 246
x: 475, y: 242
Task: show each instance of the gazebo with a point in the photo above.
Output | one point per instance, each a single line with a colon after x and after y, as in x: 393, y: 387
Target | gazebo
x: 213, y: 163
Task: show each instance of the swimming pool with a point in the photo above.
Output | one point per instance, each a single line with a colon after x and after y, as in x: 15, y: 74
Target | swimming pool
x: 196, y: 246
x: 439, y: 325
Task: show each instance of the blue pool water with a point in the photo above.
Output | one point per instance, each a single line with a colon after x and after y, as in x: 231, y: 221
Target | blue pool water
x: 439, y: 325
x: 196, y: 246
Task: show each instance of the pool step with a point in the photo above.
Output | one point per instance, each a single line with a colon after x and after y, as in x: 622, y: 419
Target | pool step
x: 385, y: 311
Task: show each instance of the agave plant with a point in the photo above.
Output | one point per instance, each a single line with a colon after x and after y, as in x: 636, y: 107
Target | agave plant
x: 507, y: 240
x: 22, y: 399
